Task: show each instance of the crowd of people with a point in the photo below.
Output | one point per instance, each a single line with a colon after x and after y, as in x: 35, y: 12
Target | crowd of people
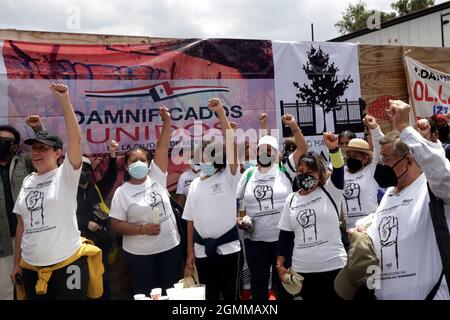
x: 299, y: 224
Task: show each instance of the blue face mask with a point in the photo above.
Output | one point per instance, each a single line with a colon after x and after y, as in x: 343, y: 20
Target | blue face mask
x: 248, y: 164
x: 207, y: 169
x: 138, y: 170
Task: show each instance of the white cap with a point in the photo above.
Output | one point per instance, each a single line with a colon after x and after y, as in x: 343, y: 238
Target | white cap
x: 86, y: 160
x: 269, y: 140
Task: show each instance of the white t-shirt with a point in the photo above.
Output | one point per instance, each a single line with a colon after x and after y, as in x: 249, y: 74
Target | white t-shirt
x: 185, y: 180
x: 315, y: 223
x: 134, y: 204
x: 360, y: 194
x: 264, y: 196
x: 211, y: 205
x: 405, y: 243
x: 48, y: 205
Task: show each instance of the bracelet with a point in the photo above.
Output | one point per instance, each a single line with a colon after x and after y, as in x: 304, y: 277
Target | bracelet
x: 140, y: 229
x: 334, y: 150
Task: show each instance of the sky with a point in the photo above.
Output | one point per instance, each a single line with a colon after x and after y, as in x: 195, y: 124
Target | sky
x: 288, y: 20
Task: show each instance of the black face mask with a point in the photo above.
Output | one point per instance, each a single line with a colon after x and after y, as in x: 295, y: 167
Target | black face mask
x: 354, y: 165
x: 5, y: 148
x: 385, y: 175
x: 84, y: 176
x: 288, y: 152
x: 265, y: 160
x: 304, y: 181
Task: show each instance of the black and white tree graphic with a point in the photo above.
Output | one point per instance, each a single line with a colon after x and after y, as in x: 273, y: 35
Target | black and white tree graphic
x: 325, y: 88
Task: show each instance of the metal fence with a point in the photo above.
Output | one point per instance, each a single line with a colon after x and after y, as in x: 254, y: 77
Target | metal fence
x: 347, y: 116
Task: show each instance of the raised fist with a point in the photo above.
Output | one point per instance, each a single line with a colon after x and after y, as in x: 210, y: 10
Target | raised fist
x: 331, y: 140
x: 262, y: 192
x: 370, y: 122
x: 388, y: 231
x: 215, y: 105
x: 306, y: 218
x: 164, y: 113
x: 352, y: 191
x: 34, y: 121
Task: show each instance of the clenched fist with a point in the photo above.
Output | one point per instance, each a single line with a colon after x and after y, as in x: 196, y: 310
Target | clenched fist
x: 331, y: 140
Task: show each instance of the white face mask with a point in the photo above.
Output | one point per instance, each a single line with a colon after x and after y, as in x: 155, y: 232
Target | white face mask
x: 138, y: 170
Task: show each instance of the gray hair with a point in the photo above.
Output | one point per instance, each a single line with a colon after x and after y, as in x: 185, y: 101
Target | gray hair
x: 400, y: 148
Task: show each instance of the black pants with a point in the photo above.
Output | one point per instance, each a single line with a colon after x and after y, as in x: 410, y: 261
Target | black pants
x: 106, y: 287
x: 221, y: 275
x: 159, y: 270
x: 260, y: 257
x: 68, y: 283
x: 319, y: 286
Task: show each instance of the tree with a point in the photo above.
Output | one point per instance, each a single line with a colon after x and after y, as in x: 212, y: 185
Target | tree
x: 325, y: 89
x: 357, y: 17
x: 404, y: 7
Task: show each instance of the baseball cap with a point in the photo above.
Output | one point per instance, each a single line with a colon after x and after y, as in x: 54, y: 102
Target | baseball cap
x: 269, y: 140
x: 47, y: 138
x: 361, y: 256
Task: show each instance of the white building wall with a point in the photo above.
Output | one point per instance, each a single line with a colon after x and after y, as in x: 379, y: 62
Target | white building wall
x: 423, y: 32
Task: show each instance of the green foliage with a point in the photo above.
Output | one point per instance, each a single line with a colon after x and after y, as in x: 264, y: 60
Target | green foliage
x: 356, y: 16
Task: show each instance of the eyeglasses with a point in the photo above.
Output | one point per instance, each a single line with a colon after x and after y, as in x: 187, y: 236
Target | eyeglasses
x: 383, y: 160
x: 40, y: 148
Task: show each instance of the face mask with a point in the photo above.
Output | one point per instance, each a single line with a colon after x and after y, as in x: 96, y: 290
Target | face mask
x: 194, y: 166
x: 207, y: 169
x: 265, y: 160
x: 305, y: 181
x: 354, y: 165
x: 84, y: 176
x: 138, y: 170
x: 385, y: 175
x: 5, y: 148
x: 249, y: 164
x: 288, y: 152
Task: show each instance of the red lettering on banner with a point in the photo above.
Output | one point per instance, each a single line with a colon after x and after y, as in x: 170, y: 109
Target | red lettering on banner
x: 205, y: 127
x: 418, y: 85
x: 126, y: 133
x: 158, y: 129
x: 428, y: 98
x: 147, y: 133
x: 91, y: 140
x: 443, y: 100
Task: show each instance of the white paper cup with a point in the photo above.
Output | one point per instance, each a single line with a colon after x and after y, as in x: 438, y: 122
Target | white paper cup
x: 155, y: 293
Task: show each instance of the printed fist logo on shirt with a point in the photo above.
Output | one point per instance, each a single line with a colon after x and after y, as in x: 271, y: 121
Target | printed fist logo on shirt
x: 352, y: 194
x: 388, y: 232
x: 154, y: 199
x: 34, y: 202
x: 263, y: 193
x: 307, y: 220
